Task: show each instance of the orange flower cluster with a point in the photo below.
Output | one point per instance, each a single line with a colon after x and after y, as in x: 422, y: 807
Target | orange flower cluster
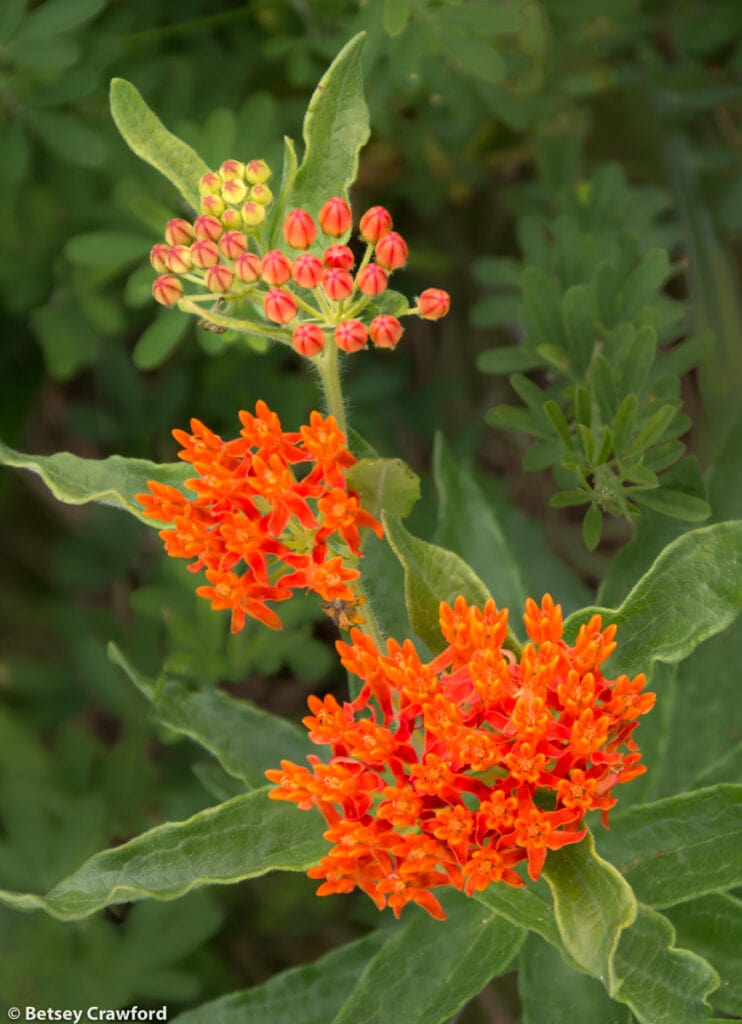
x: 258, y: 530
x: 455, y: 771
x: 313, y: 295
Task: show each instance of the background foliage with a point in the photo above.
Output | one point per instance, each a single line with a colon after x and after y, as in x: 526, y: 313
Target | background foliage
x: 507, y: 138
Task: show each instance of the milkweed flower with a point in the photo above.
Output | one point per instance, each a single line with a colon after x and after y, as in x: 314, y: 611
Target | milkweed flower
x: 224, y: 262
x: 258, y: 529
x: 458, y: 770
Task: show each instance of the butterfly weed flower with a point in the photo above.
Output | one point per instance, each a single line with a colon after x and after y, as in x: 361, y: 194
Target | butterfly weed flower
x: 258, y: 528
x: 313, y: 291
x: 459, y: 770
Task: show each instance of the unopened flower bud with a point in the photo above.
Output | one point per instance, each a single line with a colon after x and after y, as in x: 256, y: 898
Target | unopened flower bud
x: 306, y: 271
x: 371, y: 280
x: 253, y: 214
x: 350, y: 335
x: 167, y: 289
x: 209, y: 184
x: 391, y: 251
x: 178, y: 232
x: 335, y: 217
x: 337, y: 284
x: 299, y: 229
x: 433, y: 303
x: 233, y: 244
x: 206, y: 226
x: 308, y: 340
x: 232, y: 169
x: 204, y: 253
x: 231, y: 219
x: 261, y: 194
x: 247, y: 267
x: 385, y: 331
x: 213, y: 204
x: 338, y: 256
x: 375, y: 223
x: 257, y: 172
x: 219, y: 278
x: 179, y: 259
x: 158, y: 257
x: 279, y: 306
x: 276, y: 267
x: 234, y: 191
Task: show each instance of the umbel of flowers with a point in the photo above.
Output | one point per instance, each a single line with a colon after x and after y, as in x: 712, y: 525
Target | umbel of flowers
x: 309, y: 298
x: 257, y: 528
x: 455, y: 771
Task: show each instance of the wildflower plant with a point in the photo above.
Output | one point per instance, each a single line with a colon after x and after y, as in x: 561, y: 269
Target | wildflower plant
x: 458, y: 781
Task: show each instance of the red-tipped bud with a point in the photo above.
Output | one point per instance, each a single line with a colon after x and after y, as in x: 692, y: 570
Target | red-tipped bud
x: 276, y: 267
x: 253, y: 214
x: 179, y: 259
x: 433, y: 303
x: 371, y: 280
x: 261, y: 194
x: 375, y: 223
x: 207, y: 226
x: 335, y: 217
x: 299, y: 229
x: 178, y: 232
x: 210, y: 184
x: 391, y: 251
x: 204, y: 253
x: 337, y: 284
x: 385, y: 331
x: 279, y: 306
x: 212, y: 204
x: 219, y: 278
x: 338, y: 256
x: 350, y: 335
x: 308, y: 340
x: 232, y: 169
x: 234, y: 191
x: 247, y: 267
x: 233, y: 244
x: 257, y: 172
x: 158, y: 257
x: 167, y: 289
x: 231, y: 219
x: 306, y: 270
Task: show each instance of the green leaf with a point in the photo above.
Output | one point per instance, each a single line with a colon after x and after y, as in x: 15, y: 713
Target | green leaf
x: 592, y: 527
x: 158, y: 341
x: 603, y: 380
x: 243, y: 838
x: 148, y: 137
x: 457, y: 958
x: 530, y: 907
x: 476, y: 57
x: 112, y: 481
x: 692, y: 591
x: 288, y: 177
x: 245, y: 739
x: 677, y: 504
x: 396, y: 16
x: 623, y: 424
x: 676, y: 849
x: 559, y: 422
x: 580, y: 314
x: 335, y: 130
x: 661, y: 983
x: 112, y: 249
x: 518, y: 420
x: 319, y: 988
x: 387, y: 485
x: 592, y: 903
x: 69, y: 136
x: 57, y: 16
x: 567, y: 499
x: 542, y: 309
x: 643, y: 282
x: 467, y: 526
x: 508, y: 359
x: 712, y: 926
x: 432, y: 575
x: 653, y: 429
x: 639, y: 361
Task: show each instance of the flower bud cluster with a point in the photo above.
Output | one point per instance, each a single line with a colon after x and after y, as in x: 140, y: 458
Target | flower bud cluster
x: 313, y: 290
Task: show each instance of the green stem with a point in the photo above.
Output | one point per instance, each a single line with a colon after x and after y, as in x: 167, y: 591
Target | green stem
x: 190, y: 305
x: 328, y: 367
x: 513, y: 644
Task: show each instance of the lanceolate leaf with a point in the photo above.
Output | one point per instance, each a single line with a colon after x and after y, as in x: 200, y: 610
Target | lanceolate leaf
x: 385, y: 484
x: 242, y: 838
x: 143, y: 132
x: 676, y: 849
x: 692, y: 591
x: 456, y: 959
x: 245, y: 739
x: 335, y: 129
x: 712, y: 926
x: 112, y: 481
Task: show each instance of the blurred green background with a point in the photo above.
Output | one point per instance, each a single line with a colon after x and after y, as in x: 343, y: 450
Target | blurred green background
x: 483, y: 114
